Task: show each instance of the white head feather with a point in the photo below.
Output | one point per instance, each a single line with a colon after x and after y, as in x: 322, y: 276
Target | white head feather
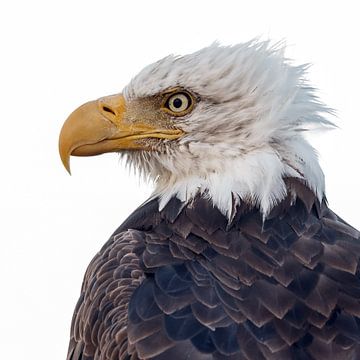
x: 246, y: 133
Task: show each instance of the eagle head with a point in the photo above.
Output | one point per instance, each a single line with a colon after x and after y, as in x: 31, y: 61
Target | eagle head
x: 225, y: 122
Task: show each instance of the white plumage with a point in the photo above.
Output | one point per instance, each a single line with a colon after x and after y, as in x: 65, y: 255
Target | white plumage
x: 245, y: 135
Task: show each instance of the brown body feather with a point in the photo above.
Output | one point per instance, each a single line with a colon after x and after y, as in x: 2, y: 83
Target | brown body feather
x: 184, y: 283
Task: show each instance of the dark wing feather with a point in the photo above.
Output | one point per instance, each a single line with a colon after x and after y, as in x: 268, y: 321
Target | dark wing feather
x: 186, y: 284
x: 98, y: 329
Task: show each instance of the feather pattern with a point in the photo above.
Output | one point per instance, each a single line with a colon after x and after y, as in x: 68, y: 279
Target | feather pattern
x: 187, y: 283
x: 246, y: 132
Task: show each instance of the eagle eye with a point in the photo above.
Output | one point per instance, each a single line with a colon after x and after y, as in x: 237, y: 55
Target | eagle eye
x: 179, y: 103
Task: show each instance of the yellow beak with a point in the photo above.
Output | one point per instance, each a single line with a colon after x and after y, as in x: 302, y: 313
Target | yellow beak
x: 98, y: 127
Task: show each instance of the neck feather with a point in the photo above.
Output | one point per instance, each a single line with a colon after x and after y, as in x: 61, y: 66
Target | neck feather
x: 258, y: 178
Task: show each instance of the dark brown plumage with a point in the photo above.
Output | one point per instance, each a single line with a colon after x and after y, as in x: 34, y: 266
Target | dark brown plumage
x: 184, y: 283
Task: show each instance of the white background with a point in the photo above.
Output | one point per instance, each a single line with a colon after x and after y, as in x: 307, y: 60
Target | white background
x: 54, y: 56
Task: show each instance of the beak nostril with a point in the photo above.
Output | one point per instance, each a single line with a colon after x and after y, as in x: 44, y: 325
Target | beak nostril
x: 109, y: 110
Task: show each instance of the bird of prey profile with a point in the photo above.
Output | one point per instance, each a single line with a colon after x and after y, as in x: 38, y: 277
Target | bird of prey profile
x: 236, y: 255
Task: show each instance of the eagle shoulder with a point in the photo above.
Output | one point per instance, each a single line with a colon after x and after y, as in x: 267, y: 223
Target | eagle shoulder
x: 98, y: 329
x: 187, y: 283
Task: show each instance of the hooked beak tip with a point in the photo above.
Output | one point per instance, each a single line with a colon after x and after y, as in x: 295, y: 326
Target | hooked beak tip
x: 65, y: 158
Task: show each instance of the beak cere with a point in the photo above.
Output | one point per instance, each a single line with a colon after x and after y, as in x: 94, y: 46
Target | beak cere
x: 100, y: 126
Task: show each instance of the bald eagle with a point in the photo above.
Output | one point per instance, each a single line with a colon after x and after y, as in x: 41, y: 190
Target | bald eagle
x: 236, y: 255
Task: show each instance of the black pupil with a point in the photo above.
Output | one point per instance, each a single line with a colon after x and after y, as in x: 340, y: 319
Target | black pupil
x: 177, y: 103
